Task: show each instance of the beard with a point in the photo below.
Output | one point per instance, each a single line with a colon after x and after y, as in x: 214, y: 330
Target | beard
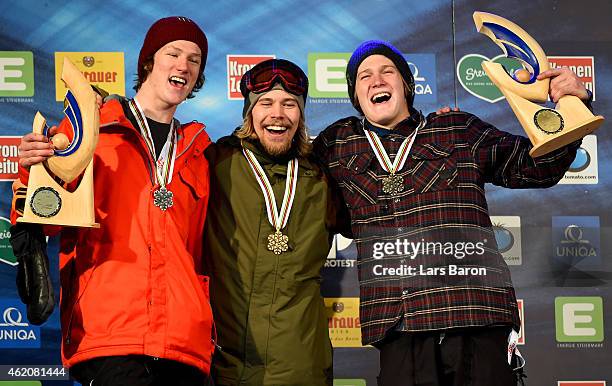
x: 276, y: 149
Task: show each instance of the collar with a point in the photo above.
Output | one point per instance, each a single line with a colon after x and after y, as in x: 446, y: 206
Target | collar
x: 404, y: 128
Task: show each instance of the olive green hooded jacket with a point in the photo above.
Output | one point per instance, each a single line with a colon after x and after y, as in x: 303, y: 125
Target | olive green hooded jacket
x: 269, y: 313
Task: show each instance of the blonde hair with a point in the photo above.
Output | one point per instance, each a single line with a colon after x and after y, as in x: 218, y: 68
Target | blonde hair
x: 301, y: 140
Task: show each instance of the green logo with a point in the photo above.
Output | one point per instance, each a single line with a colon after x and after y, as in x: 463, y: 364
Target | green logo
x: 349, y: 382
x: 579, y: 319
x: 475, y: 80
x: 16, y: 74
x: 20, y: 383
x: 6, y: 251
x: 327, y: 74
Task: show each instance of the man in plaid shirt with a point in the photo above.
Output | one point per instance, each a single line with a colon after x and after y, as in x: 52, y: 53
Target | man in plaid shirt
x: 436, y: 294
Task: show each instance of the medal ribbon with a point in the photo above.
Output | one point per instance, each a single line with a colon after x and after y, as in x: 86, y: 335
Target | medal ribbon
x: 277, y: 220
x: 164, y: 166
x: 402, y: 153
x: 513, y: 349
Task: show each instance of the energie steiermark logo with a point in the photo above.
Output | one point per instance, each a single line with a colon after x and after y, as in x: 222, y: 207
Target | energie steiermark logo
x: 349, y: 382
x: 16, y: 74
x: 327, y: 75
x: 579, y: 319
x: 475, y: 80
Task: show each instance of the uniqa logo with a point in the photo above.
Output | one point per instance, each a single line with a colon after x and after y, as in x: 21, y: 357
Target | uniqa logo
x: 13, y: 318
x: 578, y: 247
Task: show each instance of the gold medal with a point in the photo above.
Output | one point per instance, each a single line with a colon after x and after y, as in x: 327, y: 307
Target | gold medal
x: 278, y: 242
x: 393, y: 184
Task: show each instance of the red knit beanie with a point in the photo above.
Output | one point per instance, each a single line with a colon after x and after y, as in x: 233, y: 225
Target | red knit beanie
x: 167, y: 30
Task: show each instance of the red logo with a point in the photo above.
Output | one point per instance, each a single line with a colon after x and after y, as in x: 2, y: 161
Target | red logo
x: 9, y: 157
x: 581, y: 383
x: 237, y: 65
x: 583, y: 66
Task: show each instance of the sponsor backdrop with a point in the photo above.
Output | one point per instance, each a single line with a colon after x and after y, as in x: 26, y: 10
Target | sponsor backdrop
x: 557, y: 242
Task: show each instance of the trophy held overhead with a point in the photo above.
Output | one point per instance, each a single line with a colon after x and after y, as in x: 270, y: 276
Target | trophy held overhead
x: 547, y: 129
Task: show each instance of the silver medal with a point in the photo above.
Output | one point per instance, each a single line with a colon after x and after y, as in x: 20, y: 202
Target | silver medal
x: 162, y: 198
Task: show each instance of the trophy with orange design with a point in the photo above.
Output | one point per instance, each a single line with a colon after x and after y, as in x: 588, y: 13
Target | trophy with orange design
x: 548, y: 129
x: 48, y: 202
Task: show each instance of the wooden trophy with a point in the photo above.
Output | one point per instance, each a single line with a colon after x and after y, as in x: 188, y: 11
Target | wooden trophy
x: 47, y: 202
x: 548, y: 129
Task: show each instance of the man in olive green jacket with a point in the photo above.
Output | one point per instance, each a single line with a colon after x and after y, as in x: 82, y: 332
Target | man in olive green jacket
x: 269, y: 228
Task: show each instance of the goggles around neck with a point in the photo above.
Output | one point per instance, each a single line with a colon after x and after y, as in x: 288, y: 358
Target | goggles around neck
x: 264, y: 75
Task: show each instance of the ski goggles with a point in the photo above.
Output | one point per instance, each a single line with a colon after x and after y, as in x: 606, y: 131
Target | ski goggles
x: 264, y: 75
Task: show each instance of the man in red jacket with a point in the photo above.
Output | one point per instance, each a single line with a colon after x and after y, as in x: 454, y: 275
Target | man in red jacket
x: 134, y: 311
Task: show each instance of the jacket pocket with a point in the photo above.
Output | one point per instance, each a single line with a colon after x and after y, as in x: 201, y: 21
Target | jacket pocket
x: 361, y: 187
x: 204, y: 283
x: 435, y: 167
x: 195, y: 175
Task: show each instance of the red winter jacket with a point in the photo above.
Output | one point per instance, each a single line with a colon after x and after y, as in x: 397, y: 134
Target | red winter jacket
x: 130, y: 287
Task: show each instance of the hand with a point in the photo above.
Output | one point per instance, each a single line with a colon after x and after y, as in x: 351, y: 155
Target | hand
x: 563, y: 82
x: 35, y: 148
x: 446, y: 109
x: 99, y: 101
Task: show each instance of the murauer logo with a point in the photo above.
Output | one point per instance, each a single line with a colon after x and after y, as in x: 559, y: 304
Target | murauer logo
x: 15, y: 332
x: 16, y: 74
x: 343, y: 321
x: 103, y: 69
x: 237, y: 65
x: 9, y: 157
x: 583, y: 66
x: 584, y: 169
x: 475, y: 80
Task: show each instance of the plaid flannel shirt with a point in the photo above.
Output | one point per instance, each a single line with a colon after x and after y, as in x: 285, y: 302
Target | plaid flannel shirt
x: 443, y: 200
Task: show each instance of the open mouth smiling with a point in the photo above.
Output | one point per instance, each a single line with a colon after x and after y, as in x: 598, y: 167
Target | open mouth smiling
x: 380, y: 97
x: 177, y: 81
x: 276, y: 129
